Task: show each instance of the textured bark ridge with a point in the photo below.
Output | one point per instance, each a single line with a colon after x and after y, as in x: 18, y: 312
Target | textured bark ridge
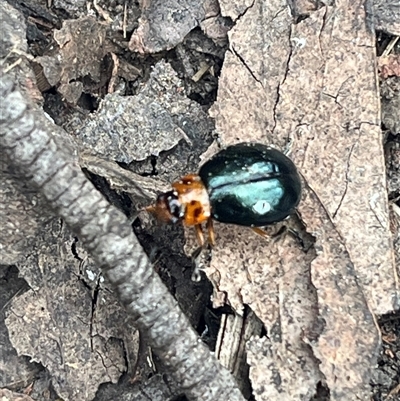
x: 108, y: 237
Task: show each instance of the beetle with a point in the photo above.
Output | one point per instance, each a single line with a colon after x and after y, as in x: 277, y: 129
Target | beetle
x: 247, y: 184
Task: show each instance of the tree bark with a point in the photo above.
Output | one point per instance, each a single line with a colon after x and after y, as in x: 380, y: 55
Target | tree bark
x: 106, y: 234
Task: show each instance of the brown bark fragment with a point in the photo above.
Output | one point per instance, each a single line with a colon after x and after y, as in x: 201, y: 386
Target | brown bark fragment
x: 234, y: 8
x: 158, y: 117
x: 78, y: 341
x: 387, y: 16
x: 338, y: 136
x: 315, y: 82
x: 81, y: 44
x: 252, y: 73
x: 164, y: 24
x: 389, y: 65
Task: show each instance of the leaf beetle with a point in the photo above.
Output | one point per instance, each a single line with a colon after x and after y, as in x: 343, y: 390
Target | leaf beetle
x: 247, y: 184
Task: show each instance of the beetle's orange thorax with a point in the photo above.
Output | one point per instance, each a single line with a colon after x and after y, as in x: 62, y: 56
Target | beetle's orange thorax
x: 193, y: 196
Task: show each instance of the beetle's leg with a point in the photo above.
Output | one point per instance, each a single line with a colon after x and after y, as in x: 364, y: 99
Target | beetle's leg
x: 211, y: 233
x: 261, y: 232
x: 288, y: 148
x: 200, y: 258
x: 199, y: 234
x: 273, y: 236
x: 280, y: 233
x: 217, y: 138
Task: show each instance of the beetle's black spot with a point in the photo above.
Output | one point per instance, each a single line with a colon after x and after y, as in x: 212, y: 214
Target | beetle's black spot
x: 173, y: 204
x: 197, y: 212
x: 175, y: 208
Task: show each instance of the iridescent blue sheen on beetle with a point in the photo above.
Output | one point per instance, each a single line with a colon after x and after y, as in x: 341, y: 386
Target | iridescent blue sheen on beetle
x: 247, y: 184
x: 251, y: 185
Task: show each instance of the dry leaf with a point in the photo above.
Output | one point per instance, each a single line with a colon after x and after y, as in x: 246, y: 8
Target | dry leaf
x: 389, y: 65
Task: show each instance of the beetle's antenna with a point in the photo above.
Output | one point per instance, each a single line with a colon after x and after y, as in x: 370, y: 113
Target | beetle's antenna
x: 135, y: 214
x: 149, y: 209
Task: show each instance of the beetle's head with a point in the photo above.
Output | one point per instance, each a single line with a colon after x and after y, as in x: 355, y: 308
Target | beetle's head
x: 168, y: 208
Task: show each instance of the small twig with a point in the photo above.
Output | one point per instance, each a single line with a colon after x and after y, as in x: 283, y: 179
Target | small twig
x: 14, y: 50
x: 40, y: 22
x: 199, y: 74
x: 125, y: 19
x: 390, y: 46
x: 102, y: 13
x: 114, y: 73
x: 13, y: 65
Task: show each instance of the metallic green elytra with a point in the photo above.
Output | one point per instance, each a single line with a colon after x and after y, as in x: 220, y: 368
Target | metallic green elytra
x: 250, y: 184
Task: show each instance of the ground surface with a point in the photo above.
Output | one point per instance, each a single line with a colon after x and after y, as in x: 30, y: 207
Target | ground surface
x: 93, y: 63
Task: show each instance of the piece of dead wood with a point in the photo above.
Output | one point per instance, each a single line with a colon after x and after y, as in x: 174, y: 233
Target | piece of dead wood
x: 114, y: 73
x: 216, y: 28
x: 128, y: 128
x: 18, y: 220
x: 107, y: 235
x: 314, y: 82
x: 234, y: 332
x: 386, y: 13
x: 142, y: 189
x: 164, y: 24
x: 60, y: 338
x: 16, y: 372
x: 77, y: 63
x: 234, y: 9
x: 235, y: 115
x: 81, y: 343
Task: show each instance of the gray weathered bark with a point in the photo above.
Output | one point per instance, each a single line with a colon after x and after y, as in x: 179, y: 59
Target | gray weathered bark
x: 108, y: 237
